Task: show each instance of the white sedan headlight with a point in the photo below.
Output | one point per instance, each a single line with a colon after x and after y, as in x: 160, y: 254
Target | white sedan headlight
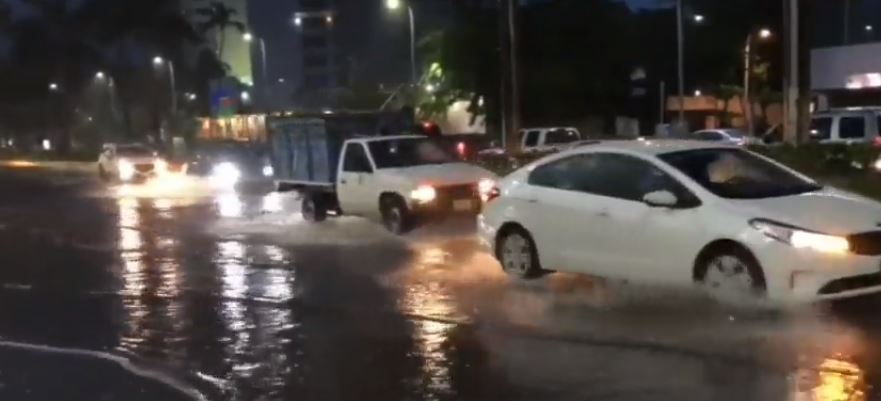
x: 799, y: 238
x: 877, y: 164
x: 226, y: 174
x: 126, y: 169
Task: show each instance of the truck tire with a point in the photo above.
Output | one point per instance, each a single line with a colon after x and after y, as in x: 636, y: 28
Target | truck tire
x: 395, y: 215
x: 314, y: 208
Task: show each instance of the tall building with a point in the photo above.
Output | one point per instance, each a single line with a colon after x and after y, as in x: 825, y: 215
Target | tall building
x: 321, y: 71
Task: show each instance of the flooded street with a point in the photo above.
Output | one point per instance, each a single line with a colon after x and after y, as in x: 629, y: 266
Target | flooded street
x: 234, y: 295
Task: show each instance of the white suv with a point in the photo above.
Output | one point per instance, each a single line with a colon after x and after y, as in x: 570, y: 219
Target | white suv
x: 682, y: 212
x: 129, y: 162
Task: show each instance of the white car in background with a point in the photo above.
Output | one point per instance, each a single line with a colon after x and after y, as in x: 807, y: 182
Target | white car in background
x: 683, y: 212
x: 724, y: 136
x: 129, y: 163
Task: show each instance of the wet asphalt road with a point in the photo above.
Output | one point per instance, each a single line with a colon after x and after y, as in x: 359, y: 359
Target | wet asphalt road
x: 234, y: 296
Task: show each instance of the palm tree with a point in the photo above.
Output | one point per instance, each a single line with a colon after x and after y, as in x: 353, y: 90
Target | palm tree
x: 219, y: 16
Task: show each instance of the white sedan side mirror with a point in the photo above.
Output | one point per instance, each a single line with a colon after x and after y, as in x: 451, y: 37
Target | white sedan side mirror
x: 660, y: 199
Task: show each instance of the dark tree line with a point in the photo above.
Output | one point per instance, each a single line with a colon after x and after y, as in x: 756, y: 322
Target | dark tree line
x: 64, y: 55
x: 578, y: 57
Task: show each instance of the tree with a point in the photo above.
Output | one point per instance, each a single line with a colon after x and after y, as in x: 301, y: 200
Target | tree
x: 217, y: 16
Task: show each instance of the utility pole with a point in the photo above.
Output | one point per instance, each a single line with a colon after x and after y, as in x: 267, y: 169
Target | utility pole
x: 680, y: 40
x: 791, y: 74
x: 511, y: 80
x: 846, y: 22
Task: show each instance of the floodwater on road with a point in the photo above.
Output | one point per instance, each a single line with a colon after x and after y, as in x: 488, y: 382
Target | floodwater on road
x: 235, y: 294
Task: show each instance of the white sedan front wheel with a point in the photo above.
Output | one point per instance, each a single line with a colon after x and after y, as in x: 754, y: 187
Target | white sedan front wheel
x: 731, y: 271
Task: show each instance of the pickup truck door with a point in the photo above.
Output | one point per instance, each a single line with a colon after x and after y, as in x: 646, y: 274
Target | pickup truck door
x: 355, y: 189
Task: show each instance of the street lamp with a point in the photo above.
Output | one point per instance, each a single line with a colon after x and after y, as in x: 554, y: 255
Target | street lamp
x: 869, y: 28
x: 99, y: 75
x: 747, y: 67
x: 249, y: 37
x: 394, y: 5
x: 53, y: 87
x: 698, y: 18
x: 430, y: 88
x: 158, y: 61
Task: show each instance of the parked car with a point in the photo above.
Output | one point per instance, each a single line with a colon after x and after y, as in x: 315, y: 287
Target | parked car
x: 343, y: 165
x: 724, y: 136
x: 548, y: 138
x: 678, y: 212
x: 129, y: 162
x: 846, y: 126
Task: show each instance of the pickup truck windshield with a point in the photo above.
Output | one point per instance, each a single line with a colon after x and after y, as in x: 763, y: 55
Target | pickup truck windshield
x: 408, y: 152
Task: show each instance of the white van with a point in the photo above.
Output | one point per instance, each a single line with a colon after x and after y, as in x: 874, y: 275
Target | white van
x: 845, y: 126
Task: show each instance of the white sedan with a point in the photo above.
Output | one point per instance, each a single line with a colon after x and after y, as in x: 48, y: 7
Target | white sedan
x: 683, y: 212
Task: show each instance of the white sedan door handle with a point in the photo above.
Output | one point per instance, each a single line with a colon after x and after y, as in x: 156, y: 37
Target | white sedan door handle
x: 603, y: 213
x: 532, y: 200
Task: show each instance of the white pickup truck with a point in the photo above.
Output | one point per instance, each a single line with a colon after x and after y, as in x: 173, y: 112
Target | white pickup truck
x: 342, y: 166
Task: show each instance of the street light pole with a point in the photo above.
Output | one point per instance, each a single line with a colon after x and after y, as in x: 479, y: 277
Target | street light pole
x: 413, y: 79
x: 173, y: 84
x: 394, y: 5
x: 747, y: 103
x: 680, y: 39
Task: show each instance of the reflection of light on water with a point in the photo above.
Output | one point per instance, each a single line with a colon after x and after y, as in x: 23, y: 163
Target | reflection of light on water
x: 131, y: 245
x: 229, y: 205
x: 430, y: 300
x: 833, y: 380
x: 231, y: 256
x: 163, y: 206
x: 272, y: 203
x: 274, y: 254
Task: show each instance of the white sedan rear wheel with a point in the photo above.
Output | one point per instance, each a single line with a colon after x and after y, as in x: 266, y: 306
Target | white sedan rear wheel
x: 518, y: 255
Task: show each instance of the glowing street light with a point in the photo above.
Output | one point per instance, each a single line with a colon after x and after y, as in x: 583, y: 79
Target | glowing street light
x: 430, y: 88
x: 298, y: 21
x: 248, y: 37
x: 698, y: 93
x: 328, y: 19
x: 99, y: 75
x: 869, y: 28
x: 764, y: 33
x: 158, y: 60
x: 246, y: 97
x: 698, y: 18
x: 395, y: 5
x: 53, y: 87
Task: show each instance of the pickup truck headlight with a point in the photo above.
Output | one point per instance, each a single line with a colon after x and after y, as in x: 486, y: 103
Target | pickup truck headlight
x: 799, y: 238
x: 424, y: 194
x: 226, y: 173
x: 126, y: 169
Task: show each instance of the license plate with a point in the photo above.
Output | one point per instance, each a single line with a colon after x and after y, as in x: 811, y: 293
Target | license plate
x: 463, y: 205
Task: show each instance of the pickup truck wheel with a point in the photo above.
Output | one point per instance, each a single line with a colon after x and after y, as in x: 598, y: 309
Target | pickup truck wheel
x: 314, y: 208
x: 395, y: 216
